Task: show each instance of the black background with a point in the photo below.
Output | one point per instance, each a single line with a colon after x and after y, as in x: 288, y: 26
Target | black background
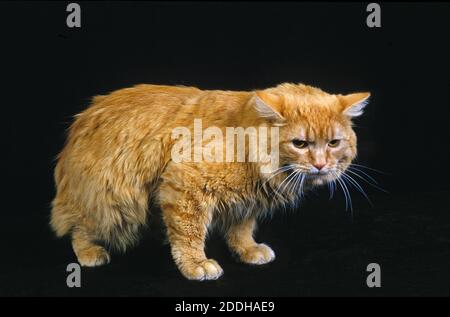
x: 50, y: 72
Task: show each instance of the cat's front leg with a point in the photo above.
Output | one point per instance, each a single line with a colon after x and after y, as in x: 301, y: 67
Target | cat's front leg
x: 240, y: 240
x: 187, y: 221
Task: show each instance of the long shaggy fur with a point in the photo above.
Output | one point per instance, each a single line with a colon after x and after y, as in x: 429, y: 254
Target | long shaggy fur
x: 118, y: 156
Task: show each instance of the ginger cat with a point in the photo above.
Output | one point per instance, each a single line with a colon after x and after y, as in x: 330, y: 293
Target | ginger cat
x: 120, y: 153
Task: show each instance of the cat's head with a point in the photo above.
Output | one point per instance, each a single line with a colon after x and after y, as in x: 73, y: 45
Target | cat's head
x: 316, y: 137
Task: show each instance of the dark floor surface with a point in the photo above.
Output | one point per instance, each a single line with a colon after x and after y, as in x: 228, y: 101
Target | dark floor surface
x: 320, y: 251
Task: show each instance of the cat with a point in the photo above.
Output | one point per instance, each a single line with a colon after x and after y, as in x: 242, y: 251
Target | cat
x: 118, y: 156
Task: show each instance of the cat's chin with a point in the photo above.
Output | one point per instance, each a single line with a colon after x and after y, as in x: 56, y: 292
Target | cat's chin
x: 320, y: 179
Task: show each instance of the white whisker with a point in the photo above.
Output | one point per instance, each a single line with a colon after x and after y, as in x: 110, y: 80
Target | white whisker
x: 289, y: 179
x: 353, y: 182
x: 369, y: 168
x: 352, y: 168
x: 365, y: 180
x: 348, y: 199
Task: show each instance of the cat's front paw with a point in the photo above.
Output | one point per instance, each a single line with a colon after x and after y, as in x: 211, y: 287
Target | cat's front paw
x: 201, y: 271
x: 258, y: 254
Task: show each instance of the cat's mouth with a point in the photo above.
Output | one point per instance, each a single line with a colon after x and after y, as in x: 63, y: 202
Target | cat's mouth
x: 318, y: 175
x: 323, y: 177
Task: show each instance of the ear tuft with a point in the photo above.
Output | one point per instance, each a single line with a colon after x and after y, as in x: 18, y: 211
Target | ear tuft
x: 268, y: 105
x: 354, y: 104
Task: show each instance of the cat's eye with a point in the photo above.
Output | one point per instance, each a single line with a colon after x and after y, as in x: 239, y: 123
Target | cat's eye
x: 300, y: 143
x: 334, y: 143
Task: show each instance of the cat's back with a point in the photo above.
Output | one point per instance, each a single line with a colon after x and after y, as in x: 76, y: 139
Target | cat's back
x: 158, y: 105
x: 146, y: 112
x: 145, y: 96
x: 140, y: 107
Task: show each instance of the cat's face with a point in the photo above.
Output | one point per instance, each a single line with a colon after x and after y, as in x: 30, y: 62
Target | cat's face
x: 316, y: 135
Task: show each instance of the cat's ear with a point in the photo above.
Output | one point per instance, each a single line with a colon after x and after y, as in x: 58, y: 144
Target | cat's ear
x: 353, y: 104
x: 268, y: 105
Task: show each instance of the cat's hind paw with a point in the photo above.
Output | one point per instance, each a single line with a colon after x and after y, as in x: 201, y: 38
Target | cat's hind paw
x: 93, y: 256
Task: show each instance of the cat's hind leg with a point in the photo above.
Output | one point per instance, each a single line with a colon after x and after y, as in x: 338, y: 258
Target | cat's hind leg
x: 240, y: 240
x: 88, y: 252
x: 66, y: 219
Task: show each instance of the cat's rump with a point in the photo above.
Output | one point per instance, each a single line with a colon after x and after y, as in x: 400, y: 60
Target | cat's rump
x: 114, y: 154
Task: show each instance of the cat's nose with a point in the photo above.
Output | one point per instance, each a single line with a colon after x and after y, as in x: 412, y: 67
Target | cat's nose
x: 319, y: 166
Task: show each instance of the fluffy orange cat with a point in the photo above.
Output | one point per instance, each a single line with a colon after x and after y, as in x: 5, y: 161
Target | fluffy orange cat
x: 120, y: 153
